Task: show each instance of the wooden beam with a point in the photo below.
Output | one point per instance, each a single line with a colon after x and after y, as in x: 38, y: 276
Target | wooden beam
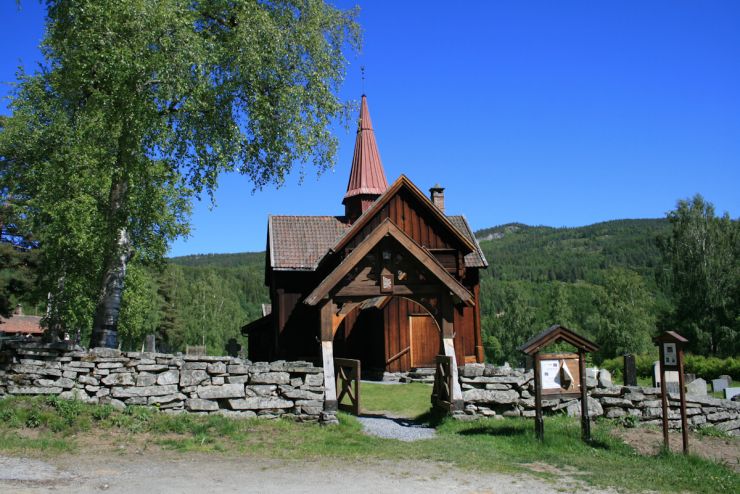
x: 387, y: 228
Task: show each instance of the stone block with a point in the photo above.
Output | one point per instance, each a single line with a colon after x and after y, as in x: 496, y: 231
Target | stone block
x: 472, y: 370
x: 195, y: 365
x: 241, y: 379
x: 168, y: 377
x: 146, y: 379
x: 633, y: 396
x: 260, y: 403
x: 92, y: 381
x: 151, y: 367
x: 302, y: 368
x: 717, y: 417
x: 594, y: 408
x: 64, y: 382
x: 612, y: 413
x: 236, y: 369
x: 218, y: 380
x: 315, y: 379
x: 200, y: 405
x: 490, y: 396
x: 143, y: 391
x: 216, y: 368
x: 261, y: 389
x: 697, y: 420
x: 221, y: 392
x: 600, y: 392
x: 728, y: 426
x: 270, y: 378
x: 119, y: 379
x: 609, y: 401
x: 101, y: 372
x: 154, y: 400
x: 136, y: 400
x: 109, y: 365
x: 34, y: 390
x: 69, y: 374
x: 300, y: 394
x: 192, y: 377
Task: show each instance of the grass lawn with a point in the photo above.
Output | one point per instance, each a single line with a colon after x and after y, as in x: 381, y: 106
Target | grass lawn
x: 399, y: 400
x: 50, y: 426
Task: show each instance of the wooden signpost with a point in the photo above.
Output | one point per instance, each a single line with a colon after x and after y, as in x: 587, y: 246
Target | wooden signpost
x: 559, y: 374
x: 670, y: 345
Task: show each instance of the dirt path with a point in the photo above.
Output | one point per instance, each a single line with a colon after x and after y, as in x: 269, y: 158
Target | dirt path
x: 165, y: 473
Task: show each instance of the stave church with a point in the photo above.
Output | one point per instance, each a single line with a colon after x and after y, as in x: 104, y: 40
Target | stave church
x: 393, y: 282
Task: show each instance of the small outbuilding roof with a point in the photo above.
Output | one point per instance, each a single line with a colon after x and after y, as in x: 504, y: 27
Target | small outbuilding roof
x: 554, y: 334
x: 19, y: 324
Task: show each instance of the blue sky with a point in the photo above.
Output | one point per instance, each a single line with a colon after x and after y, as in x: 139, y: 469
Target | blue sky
x: 552, y: 113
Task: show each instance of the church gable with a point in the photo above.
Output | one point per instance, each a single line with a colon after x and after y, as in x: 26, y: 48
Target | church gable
x: 405, y: 206
x: 388, y: 262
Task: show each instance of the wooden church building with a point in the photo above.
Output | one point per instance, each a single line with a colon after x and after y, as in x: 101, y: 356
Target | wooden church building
x: 393, y: 282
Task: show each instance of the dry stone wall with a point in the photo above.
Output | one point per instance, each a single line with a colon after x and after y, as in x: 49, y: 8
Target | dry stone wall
x: 171, y: 383
x: 501, y: 391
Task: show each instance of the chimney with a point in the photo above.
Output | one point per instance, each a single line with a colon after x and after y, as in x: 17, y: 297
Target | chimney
x: 437, y: 195
x: 18, y: 310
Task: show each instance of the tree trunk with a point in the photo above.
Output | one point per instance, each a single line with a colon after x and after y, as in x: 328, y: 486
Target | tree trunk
x: 105, y: 324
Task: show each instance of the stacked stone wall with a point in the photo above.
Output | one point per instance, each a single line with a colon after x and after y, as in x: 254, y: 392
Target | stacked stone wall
x: 501, y: 391
x: 171, y: 383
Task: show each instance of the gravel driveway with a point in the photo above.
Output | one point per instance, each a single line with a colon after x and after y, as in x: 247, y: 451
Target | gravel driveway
x: 166, y: 472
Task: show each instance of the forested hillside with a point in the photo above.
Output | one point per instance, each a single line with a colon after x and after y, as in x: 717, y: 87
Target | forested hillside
x: 539, y: 276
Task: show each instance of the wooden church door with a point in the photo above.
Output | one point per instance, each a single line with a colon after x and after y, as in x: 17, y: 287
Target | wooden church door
x: 424, y: 340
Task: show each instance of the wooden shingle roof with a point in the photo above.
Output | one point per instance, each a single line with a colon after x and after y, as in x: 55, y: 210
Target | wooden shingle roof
x: 298, y: 243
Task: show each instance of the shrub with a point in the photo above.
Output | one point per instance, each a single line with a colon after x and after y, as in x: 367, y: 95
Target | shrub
x: 701, y: 366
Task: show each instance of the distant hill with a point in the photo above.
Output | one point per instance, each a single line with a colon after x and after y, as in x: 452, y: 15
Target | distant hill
x: 220, y: 260
x: 541, y: 253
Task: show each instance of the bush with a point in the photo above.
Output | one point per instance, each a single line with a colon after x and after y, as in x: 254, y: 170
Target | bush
x: 704, y: 367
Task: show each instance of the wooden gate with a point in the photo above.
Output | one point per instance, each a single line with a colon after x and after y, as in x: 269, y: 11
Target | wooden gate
x: 442, y: 394
x: 348, y: 384
x: 424, y: 340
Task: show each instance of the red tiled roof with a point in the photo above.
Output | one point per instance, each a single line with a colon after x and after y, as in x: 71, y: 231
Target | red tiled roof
x: 367, y: 175
x: 298, y: 243
x: 21, y: 325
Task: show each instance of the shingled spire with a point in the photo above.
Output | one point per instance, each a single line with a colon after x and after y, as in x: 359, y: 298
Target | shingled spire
x: 367, y: 178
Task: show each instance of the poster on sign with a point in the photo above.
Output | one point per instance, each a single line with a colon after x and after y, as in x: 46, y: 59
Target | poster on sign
x: 669, y: 354
x: 549, y: 374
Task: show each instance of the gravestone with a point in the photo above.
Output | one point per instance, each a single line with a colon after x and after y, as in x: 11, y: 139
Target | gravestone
x: 671, y: 379
x: 233, y: 348
x: 730, y: 392
x: 719, y: 384
x: 630, y: 370
x: 726, y: 378
x: 697, y: 387
x: 150, y: 343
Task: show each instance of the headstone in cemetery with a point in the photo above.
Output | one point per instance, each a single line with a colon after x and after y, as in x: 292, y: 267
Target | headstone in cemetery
x: 731, y: 392
x: 719, y: 384
x: 150, y: 343
x: 630, y: 370
x: 726, y: 378
x: 233, y: 348
x: 671, y: 379
x: 697, y: 387
x: 605, y: 379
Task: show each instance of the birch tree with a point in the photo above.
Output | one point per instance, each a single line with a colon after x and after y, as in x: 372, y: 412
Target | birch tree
x: 143, y: 104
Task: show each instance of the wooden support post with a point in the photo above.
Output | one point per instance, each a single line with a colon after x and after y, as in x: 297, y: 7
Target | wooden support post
x: 585, y: 420
x: 327, y: 354
x: 448, y: 345
x: 664, y: 400
x: 684, y: 425
x: 539, y: 423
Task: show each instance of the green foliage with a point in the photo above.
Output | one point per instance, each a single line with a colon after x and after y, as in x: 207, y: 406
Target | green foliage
x: 702, y: 273
x: 705, y: 367
x: 624, y: 320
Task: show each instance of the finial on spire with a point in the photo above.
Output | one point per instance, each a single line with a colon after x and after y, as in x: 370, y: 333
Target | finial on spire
x: 362, y: 76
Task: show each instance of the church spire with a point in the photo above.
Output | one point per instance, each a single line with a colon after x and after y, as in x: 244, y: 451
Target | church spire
x: 367, y: 177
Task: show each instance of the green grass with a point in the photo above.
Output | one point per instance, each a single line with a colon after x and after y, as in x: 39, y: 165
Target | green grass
x: 400, y: 400
x: 507, y: 446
